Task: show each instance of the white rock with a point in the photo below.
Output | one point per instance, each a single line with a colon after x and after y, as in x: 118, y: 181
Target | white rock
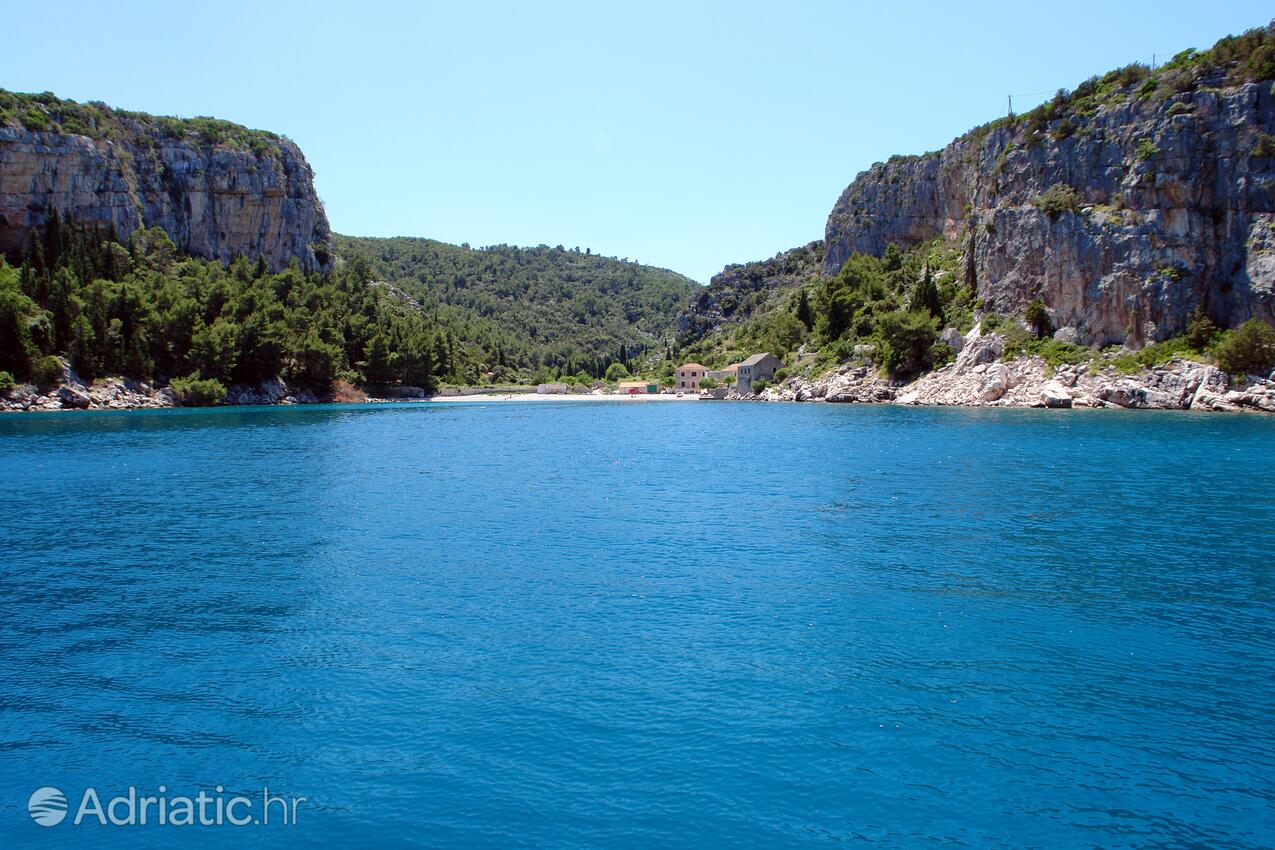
x: 1054, y: 394
x: 995, y: 383
x: 980, y: 350
x: 1067, y: 334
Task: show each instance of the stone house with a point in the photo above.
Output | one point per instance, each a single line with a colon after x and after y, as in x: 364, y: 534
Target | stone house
x: 756, y: 368
x: 688, y: 377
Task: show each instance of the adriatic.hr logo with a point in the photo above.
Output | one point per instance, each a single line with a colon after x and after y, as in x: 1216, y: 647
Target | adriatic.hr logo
x: 49, y: 806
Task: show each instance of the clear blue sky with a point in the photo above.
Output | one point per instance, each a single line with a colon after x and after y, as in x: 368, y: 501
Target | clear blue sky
x: 683, y: 134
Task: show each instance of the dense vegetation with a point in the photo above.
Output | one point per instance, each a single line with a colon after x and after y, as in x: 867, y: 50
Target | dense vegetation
x: 501, y: 315
x: 890, y: 308
x: 145, y: 312
x: 46, y: 111
x: 532, y: 314
x: 740, y: 290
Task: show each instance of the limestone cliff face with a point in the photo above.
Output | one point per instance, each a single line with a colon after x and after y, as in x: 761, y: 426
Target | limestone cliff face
x: 215, y: 199
x: 1162, y: 203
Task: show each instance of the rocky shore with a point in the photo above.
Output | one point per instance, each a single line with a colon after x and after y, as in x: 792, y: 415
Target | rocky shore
x: 979, y: 377
x: 72, y: 393
x: 108, y: 394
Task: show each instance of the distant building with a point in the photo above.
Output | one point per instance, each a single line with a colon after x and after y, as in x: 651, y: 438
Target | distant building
x: 759, y: 367
x: 636, y: 388
x: 727, y: 375
x: 551, y: 389
x: 688, y: 377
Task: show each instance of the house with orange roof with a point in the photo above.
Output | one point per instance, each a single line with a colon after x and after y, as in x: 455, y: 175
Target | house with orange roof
x: 725, y: 376
x: 688, y: 377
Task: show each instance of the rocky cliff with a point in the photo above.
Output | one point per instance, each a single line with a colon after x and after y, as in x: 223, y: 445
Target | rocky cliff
x: 218, y: 189
x: 1122, y: 205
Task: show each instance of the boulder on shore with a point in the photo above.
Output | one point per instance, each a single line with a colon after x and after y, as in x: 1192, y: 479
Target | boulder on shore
x: 1054, y: 394
x: 74, y: 397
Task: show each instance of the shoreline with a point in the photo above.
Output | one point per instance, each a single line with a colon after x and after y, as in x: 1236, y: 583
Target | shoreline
x: 507, y: 398
x: 979, y: 377
x: 875, y: 395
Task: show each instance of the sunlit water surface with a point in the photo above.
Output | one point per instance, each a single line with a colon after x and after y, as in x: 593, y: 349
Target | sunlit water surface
x: 645, y: 625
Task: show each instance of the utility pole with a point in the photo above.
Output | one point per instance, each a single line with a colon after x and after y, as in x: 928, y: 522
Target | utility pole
x: 1011, y: 106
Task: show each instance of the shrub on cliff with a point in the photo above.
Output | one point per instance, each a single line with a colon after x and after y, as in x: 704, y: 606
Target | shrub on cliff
x: 193, y: 391
x: 1264, y: 146
x: 1248, y: 349
x: 1201, y: 331
x: 1020, y: 341
x: 1056, y: 200
x: 6, y: 382
x: 1155, y: 354
x: 1038, y: 318
x: 941, y: 354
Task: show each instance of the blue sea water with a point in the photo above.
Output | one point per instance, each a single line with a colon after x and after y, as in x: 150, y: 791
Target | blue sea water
x: 644, y: 625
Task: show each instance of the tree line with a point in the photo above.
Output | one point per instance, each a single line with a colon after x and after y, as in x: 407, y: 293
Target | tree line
x: 145, y: 311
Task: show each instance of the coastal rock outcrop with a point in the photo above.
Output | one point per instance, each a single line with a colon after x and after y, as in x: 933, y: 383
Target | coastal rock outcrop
x: 73, y: 393
x: 274, y: 391
x: 217, y: 189
x: 1028, y: 381
x: 126, y: 394
x: 1122, y: 209
x: 106, y: 394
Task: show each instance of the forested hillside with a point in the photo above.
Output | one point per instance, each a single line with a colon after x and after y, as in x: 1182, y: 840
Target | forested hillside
x: 531, y: 312
x: 145, y: 311
x: 394, y: 312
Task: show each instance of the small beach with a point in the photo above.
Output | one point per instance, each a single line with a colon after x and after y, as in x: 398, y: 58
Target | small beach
x: 519, y: 397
